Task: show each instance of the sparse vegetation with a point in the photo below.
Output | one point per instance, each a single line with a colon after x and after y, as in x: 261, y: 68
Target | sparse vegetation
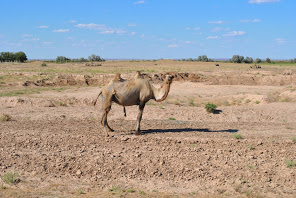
x: 43, y: 65
x: 211, y: 108
x: 293, y: 139
x: 142, y: 192
x: 290, y: 163
x: 131, y: 190
x: 237, y: 136
x: 114, y: 189
x: 172, y: 118
x: 5, y: 117
x: 251, y: 147
x: 80, y: 191
x: 10, y: 178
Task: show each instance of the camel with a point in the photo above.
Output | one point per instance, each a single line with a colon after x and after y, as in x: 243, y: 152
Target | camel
x: 136, y: 91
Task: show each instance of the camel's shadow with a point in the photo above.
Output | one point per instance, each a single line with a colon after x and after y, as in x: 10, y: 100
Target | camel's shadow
x: 181, y: 130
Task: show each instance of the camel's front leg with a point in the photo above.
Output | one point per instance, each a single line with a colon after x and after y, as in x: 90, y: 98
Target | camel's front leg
x: 139, y: 118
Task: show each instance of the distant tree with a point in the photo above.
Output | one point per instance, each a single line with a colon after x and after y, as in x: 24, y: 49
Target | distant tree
x: 204, y: 58
x: 190, y: 59
x: 211, y: 60
x: 294, y: 60
x: 268, y: 60
x: 8, y: 56
x: 237, y: 59
x: 199, y: 58
x: 21, y: 57
x: 94, y: 57
x: 258, y: 60
x: 248, y: 60
x: 241, y: 59
x: 62, y: 59
x: 82, y: 59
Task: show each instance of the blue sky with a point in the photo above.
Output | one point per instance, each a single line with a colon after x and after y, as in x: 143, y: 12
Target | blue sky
x: 149, y: 29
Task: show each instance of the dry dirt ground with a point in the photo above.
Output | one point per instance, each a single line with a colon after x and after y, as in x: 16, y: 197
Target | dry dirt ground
x: 56, y: 147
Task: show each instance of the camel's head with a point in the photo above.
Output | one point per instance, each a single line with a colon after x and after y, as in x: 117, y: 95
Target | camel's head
x: 168, y: 78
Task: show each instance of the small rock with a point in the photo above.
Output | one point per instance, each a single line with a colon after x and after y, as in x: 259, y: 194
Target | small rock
x: 124, y: 138
x: 78, y: 172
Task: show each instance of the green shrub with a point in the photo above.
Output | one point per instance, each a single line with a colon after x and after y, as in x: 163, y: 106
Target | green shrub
x: 10, y: 178
x: 237, y: 136
x: 43, y: 64
x: 5, y: 117
x: 171, y: 118
x: 290, y: 163
x: 210, y: 107
x: 131, y: 190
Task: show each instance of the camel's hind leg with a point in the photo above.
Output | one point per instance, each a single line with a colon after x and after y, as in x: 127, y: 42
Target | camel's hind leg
x: 139, y: 118
x: 106, y: 107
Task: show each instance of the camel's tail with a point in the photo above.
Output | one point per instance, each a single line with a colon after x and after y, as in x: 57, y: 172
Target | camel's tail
x: 95, y: 102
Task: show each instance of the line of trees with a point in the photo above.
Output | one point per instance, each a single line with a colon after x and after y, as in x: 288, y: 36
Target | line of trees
x: 202, y: 58
x: 241, y: 59
x: 13, y: 57
x: 92, y: 58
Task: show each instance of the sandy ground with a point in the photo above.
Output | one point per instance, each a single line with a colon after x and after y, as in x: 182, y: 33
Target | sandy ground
x: 56, y: 144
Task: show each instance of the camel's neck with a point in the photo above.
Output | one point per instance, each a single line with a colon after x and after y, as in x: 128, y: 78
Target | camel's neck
x: 161, y: 93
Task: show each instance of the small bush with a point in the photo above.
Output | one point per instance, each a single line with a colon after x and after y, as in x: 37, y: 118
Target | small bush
x: 237, y: 136
x: 142, y: 192
x: 290, y: 163
x: 43, y: 65
x: 10, y: 178
x: 293, y: 139
x: 131, y: 190
x: 114, y: 189
x: 80, y: 191
x: 5, y: 117
x: 171, y: 118
x: 210, y: 107
x: 251, y: 147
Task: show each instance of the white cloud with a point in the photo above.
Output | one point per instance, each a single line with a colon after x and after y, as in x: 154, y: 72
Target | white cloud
x: 280, y: 41
x: 103, y: 28
x: 139, y: 2
x: 47, y: 42
x: 43, y: 26
x: 235, y: 33
x: 92, y: 26
x: 196, y: 28
x: 217, y: 22
x: 32, y: 39
x: 133, y: 33
x: 188, y: 42
x: 249, y: 20
x: 61, y: 30
x: 131, y: 25
x: 218, y: 29
x: 212, y: 37
x: 172, y: 46
x: 27, y: 35
x: 263, y: 1
x: 72, y: 21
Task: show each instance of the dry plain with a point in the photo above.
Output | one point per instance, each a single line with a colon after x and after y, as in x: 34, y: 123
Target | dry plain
x: 55, y: 145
